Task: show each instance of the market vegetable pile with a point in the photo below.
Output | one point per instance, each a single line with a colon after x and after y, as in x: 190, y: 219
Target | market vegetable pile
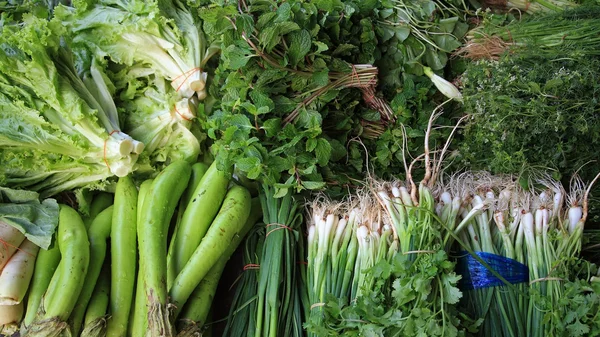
x: 299, y: 168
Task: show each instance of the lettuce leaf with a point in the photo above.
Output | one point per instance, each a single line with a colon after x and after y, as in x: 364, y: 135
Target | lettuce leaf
x: 163, y: 34
x: 59, y: 128
x: 24, y: 211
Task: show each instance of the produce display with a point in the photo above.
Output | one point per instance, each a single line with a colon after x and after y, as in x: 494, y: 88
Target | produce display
x: 299, y: 168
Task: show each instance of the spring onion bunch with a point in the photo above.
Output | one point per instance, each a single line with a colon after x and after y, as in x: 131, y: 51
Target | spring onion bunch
x: 377, y: 263
x: 344, y: 242
x: 268, y: 299
x: 573, y: 33
x: 240, y: 321
x: 278, y: 303
x: 540, y: 228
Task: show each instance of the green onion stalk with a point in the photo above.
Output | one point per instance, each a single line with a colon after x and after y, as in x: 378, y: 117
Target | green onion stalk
x: 541, y: 228
x: 344, y: 241
x: 570, y: 33
x: 241, y: 319
x: 279, y: 311
x: 483, y: 228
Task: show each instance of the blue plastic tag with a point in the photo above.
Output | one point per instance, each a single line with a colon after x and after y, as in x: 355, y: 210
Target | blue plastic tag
x: 475, y: 275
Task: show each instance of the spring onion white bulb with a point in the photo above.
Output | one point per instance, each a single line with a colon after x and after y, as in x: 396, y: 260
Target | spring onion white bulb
x: 528, y: 227
x: 405, y: 196
x: 456, y: 204
x: 340, y: 229
x: 558, y: 200
x: 311, y: 234
x: 545, y: 221
x: 499, y: 220
x: 446, y: 198
x: 477, y: 201
x: 446, y: 88
x: 396, y: 192
x: 538, y: 221
x: 439, y: 209
x: 575, y: 214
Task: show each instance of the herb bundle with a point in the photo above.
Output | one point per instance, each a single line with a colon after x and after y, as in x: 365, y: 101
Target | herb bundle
x: 528, y: 243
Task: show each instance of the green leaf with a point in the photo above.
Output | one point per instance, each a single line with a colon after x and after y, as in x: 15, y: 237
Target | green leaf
x: 323, y: 151
x: 23, y: 211
x: 328, y: 5
x: 313, y: 185
x: 261, y: 99
x: 321, y: 47
x: 321, y: 78
x: 451, y: 293
x: 344, y: 49
x: 311, y: 144
x: 255, y: 172
x: 236, y: 57
x: 280, y: 192
x: 577, y: 329
x: 246, y: 164
x: 284, y: 12
x: 271, y: 35
x: 300, y: 44
x: 272, y: 127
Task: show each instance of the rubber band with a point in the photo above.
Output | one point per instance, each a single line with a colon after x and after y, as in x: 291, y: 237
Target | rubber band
x: 317, y: 305
x: 548, y: 278
x: 279, y: 226
x: 302, y: 262
x: 419, y: 252
x: 354, y: 75
x: 186, y: 73
x: 106, y: 141
x: 181, y: 115
x: 191, y: 72
x: 251, y: 266
x: 369, y: 96
x: 527, y: 4
x: 6, y: 245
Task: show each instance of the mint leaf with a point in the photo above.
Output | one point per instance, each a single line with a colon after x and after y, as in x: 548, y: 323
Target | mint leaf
x: 261, y: 99
x: 271, y: 35
x: 313, y: 185
x: 328, y: 5
x: 248, y: 163
x: 300, y: 44
x: 236, y: 57
x: 323, y: 151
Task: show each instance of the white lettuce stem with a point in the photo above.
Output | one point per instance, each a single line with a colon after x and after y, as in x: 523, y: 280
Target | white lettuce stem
x: 15, y: 277
x: 11, y: 239
x: 10, y: 316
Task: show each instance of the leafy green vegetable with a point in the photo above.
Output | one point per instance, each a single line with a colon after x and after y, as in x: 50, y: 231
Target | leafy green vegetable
x: 297, y: 105
x: 59, y: 126
x: 532, y: 113
x: 164, y: 34
x: 156, y: 115
x: 23, y: 210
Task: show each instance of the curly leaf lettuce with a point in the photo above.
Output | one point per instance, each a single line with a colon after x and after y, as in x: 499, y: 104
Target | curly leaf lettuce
x: 164, y: 34
x: 57, y: 130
